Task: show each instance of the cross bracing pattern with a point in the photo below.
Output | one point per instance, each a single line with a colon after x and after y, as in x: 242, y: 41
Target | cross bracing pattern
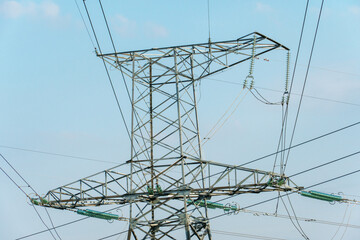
x: 167, y: 177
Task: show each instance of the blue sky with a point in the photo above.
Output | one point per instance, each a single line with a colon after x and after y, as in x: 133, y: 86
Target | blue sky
x: 55, y: 97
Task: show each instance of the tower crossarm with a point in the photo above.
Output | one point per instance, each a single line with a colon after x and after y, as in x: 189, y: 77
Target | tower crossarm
x: 196, y: 61
x: 111, y: 186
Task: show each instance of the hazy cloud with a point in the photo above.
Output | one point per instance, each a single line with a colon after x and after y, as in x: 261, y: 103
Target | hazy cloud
x: 124, y: 26
x: 355, y: 10
x: 155, y: 30
x: 50, y: 9
x: 129, y: 28
x: 261, y: 7
x: 18, y: 9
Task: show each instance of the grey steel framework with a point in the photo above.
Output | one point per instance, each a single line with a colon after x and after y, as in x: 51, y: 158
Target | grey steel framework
x: 166, y: 177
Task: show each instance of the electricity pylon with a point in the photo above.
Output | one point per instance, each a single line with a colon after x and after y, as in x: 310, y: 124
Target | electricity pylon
x: 167, y: 184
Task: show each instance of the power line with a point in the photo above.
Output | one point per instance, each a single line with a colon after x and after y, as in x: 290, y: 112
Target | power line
x: 294, y: 146
x: 324, y: 164
x: 83, y: 20
x: 65, y: 224
x: 296, y: 218
x: 274, y: 198
x: 68, y: 223
x: 311, y: 220
x: 52, y: 224
x: 17, y: 185
x: 296, y: 94
x: 243, y: 235
x: 113, y: 235
x: 42, y: 220
x: 302, y: 143
x: 56, y: 154
x: 107, y: 73
x: 305, y: 80
x: 296, y: 227
x: 285, y: 115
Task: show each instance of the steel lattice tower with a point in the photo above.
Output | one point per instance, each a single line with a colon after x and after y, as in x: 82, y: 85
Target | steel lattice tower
x: 166, y: 183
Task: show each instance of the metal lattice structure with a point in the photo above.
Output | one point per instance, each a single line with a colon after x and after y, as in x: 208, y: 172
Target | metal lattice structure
x: 166, y: 176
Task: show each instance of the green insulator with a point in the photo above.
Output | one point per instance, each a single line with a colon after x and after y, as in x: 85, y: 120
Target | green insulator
x: 35, y: 202
x: 330, y: 196
x: 307, y: 194
x: 158, y: 188
x: 211, y: 205
x: 44, y: 201
x: 281, y: 182
x: 97, y: 214
x: 102, y: 214
x: 150, y: 190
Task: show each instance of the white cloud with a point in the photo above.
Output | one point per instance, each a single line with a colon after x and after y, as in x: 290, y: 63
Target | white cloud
x: 355, y: 10
x: 155, y: 30
x: 17, y: 9
x: 261, y: 7
x: 124, y: 26
x: 50, y: 9
x: 129, y: 28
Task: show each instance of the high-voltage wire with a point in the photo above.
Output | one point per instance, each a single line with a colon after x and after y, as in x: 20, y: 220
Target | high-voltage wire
x: 28, y: 185
x: 68, y: 223
x: 324, y: 164
x: 108, y: 74
x: 285, y: 116
x: 305, y: 80
x: 297, y: 94
x: 57, y: 154
x: 274, y: 198
x: 258, y: 159
x: 302, y: 143
x: 83, y: 20
x: 298, y: 228
x: 65, y: 224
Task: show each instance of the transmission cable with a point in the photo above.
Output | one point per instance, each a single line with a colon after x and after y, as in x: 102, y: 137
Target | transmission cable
x: 305, y: 80
x: 65, y: 224
x: 346, y: 226
x: 285, y: 118
x: 302, y: 233
x: 56, y: 154
x: 113, y: 235
x: 297, y: 94
x: 274, y: 198
x: 83, y: 20
x: 68, y: 223
x: 302, y: 143
x: 107, y: 72
x: 296, y: 218
x: 342, y: 221
x: 324, y: 164
x: 262, y: 99
x: 48, y: 229
x: 220, y: 123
